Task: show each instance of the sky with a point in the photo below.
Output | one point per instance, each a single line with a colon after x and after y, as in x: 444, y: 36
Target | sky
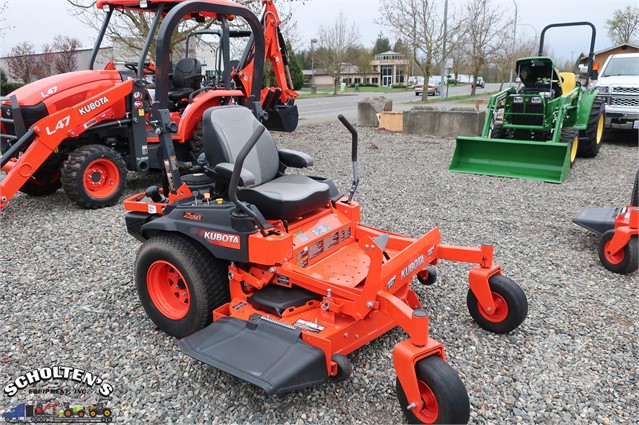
x: 39, y: 20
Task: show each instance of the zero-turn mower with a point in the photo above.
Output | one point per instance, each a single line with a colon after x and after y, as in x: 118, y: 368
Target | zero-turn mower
x: 536, y: 131
x: 618, y: 231
x: 273, y: 278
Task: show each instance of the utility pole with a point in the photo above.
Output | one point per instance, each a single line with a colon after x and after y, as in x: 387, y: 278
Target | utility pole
x: 512, y: 52
x: 313, y: 88
x: 441, y: 88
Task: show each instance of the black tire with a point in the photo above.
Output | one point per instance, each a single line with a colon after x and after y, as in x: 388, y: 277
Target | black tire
x: 634, y: 198
x: 93, y: 413
x: 106, y: 412
x: 81, y: 413
x: 498, y: 131
x: 452, y: 404
x: 106, y: 184
x: 204, y: 277
x: 344, y: 368
x: 571, y: 137
x: 626, y: 261
x: 196, y: 144
x: 590, y: 138
x: 431, y: 276
x: 45, y: 181
x: 511, y: 306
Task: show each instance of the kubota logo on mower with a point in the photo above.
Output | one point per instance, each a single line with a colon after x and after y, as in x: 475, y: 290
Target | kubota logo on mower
x: 412, y: 266
x: 221, y: 239
x: 95, y: 104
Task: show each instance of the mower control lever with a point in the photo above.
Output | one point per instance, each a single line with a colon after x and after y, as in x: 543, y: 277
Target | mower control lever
x: 350, y: 128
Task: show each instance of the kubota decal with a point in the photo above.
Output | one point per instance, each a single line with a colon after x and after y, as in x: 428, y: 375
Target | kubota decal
x: 412, y: 266
x: 95, y: 104
x: 221, y: 239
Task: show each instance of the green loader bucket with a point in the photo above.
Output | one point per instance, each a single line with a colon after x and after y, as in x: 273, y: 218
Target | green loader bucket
x: 521, y: 159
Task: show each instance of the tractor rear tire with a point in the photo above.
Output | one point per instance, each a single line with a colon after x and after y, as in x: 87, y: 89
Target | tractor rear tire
x: 442, y: 391
x: 590, y: 138
x: 511, y: 306
x: 571, y: 137
x: 634, y: 198
x: 94, y: 176
x: 180, y: 283
x: 625, y: 261
x: 196, y: 144
x: 45, y: 181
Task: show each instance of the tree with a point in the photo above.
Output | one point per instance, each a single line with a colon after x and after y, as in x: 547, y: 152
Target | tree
x: 382, y: 44
x: 506, y: 58
x: 363, y: 58
x: 4, y: 27
x: 485, y: 34
x: 44, y: 62
x: 334, y: 44
x: 419, y: 24
x: 624, y: 25
x: 22, y: 62
x: 66, y: 48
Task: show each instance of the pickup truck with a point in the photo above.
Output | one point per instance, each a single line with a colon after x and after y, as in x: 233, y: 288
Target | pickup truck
x: 618, y: 85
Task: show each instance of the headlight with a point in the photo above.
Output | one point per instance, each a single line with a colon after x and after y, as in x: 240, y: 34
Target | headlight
x: 604, y: 89
x: 518, y: 99
x: 535, y: 99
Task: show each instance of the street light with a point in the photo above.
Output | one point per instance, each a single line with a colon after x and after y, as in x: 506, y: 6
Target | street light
x: 313, y: 88
x: 510, y: 79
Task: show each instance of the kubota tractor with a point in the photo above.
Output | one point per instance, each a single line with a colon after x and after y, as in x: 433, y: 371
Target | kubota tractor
x: 83, y: 130
x: 272, y: 277
x: 536, y: 131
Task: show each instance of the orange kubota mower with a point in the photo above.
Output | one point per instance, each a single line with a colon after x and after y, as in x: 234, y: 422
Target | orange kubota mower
x: 83, y: 130
x: 273, y: 278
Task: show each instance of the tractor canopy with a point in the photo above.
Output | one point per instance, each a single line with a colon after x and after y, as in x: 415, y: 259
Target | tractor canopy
x: 152, y: 5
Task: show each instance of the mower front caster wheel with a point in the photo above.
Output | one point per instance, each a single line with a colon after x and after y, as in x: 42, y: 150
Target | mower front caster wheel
x: 344, y: 368
x: 428, y: 277
x: 624, y: 261
x: 511, y: 306
x: 180, y: 283
x: 442, y: 392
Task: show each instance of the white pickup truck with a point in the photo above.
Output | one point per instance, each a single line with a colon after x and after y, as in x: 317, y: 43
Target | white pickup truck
x: 619, y: 90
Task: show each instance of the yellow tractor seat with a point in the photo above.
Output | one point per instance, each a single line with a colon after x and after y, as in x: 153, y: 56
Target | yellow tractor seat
x: 568, y: 82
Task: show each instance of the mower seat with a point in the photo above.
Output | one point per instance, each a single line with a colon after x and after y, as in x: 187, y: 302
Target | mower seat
x: 225, y: 131
x: 187, y: 77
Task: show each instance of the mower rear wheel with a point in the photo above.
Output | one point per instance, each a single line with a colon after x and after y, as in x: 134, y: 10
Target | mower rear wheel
x: 94, y: 176
x: 45, y: 181
x: 430, y: 276
x: 344, y: 368
x: 443, y: 394
x: 571, y: 136
x: 511, y: 306
x: 624, y: 261
x: 180, y: 283
x: 590, y: 138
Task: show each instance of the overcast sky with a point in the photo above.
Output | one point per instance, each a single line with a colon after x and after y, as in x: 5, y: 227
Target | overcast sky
x: 39, y: 20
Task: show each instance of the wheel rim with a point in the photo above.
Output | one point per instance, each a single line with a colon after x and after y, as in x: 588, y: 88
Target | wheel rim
x: 101, y: 178
x: 430, y: 412
x: 600, y: 128
x: 613, y: 258
x: 501, y: 309
x: 168, y: 290
x: 573, y: 149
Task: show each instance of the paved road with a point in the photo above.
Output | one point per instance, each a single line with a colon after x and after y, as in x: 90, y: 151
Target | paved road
x: 324, y: 109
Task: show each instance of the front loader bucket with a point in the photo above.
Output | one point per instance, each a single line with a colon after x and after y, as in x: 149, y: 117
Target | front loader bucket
x: 522, y: 159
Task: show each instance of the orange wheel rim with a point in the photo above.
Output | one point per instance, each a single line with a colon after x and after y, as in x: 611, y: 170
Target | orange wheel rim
x: 501, y: 309
x: 101, y: 178
x: 430, y: 412
x: 615, y: 258
x: 168, y: 290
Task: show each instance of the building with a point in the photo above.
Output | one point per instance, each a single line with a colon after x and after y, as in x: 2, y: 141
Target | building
x: 602, y: 55
x: 391, y: 67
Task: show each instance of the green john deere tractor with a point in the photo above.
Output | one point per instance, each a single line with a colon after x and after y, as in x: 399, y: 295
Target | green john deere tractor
x: 536, y: 131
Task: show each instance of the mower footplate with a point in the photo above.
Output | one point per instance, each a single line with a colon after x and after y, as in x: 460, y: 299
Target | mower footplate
x: 597, y: 220
x: 261, y: 351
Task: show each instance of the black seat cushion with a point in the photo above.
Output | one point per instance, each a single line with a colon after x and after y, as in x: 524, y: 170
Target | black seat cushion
x: 187, y: 77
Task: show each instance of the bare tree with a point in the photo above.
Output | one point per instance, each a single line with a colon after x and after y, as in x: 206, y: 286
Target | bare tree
x: 420, y: 25
x: 22, y: 62
x: 4, y: 27
x: 624, y: 25
x: 335, y: 41
x: 363, y: 60
x: 485, y: 33
x: 44, y: 62
x: 505, y: 59
x: 66, y: 48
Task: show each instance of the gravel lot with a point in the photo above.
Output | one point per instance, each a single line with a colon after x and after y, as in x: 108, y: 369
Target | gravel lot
x: 68, y: 297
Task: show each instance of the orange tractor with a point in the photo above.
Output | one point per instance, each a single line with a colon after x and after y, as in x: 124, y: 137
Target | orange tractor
x: 272, y: 277
x: 84, y: 130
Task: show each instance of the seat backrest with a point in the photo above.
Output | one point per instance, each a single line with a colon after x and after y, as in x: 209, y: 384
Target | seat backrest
x: 187, y: 74
x: 568, y: 82
x: 225, y: 131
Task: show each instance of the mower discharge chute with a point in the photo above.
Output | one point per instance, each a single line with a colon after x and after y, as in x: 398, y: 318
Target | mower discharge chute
x: 536, y: 131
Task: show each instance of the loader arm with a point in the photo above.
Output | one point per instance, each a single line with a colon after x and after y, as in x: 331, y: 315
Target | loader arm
x: 48, y: 133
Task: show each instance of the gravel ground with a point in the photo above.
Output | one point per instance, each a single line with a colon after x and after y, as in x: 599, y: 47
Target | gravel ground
x: 68, y: 297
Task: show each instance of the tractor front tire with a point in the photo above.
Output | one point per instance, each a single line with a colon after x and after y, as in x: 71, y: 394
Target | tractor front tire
x: 442, y: 391
x: 94, y: 176
x: 180, y: 283
x: 511, y: 306
x: 623, y: 262
x: 571, y: 137
x: 590, y: 138
x: 45, y: 181
x: 498, y: 131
